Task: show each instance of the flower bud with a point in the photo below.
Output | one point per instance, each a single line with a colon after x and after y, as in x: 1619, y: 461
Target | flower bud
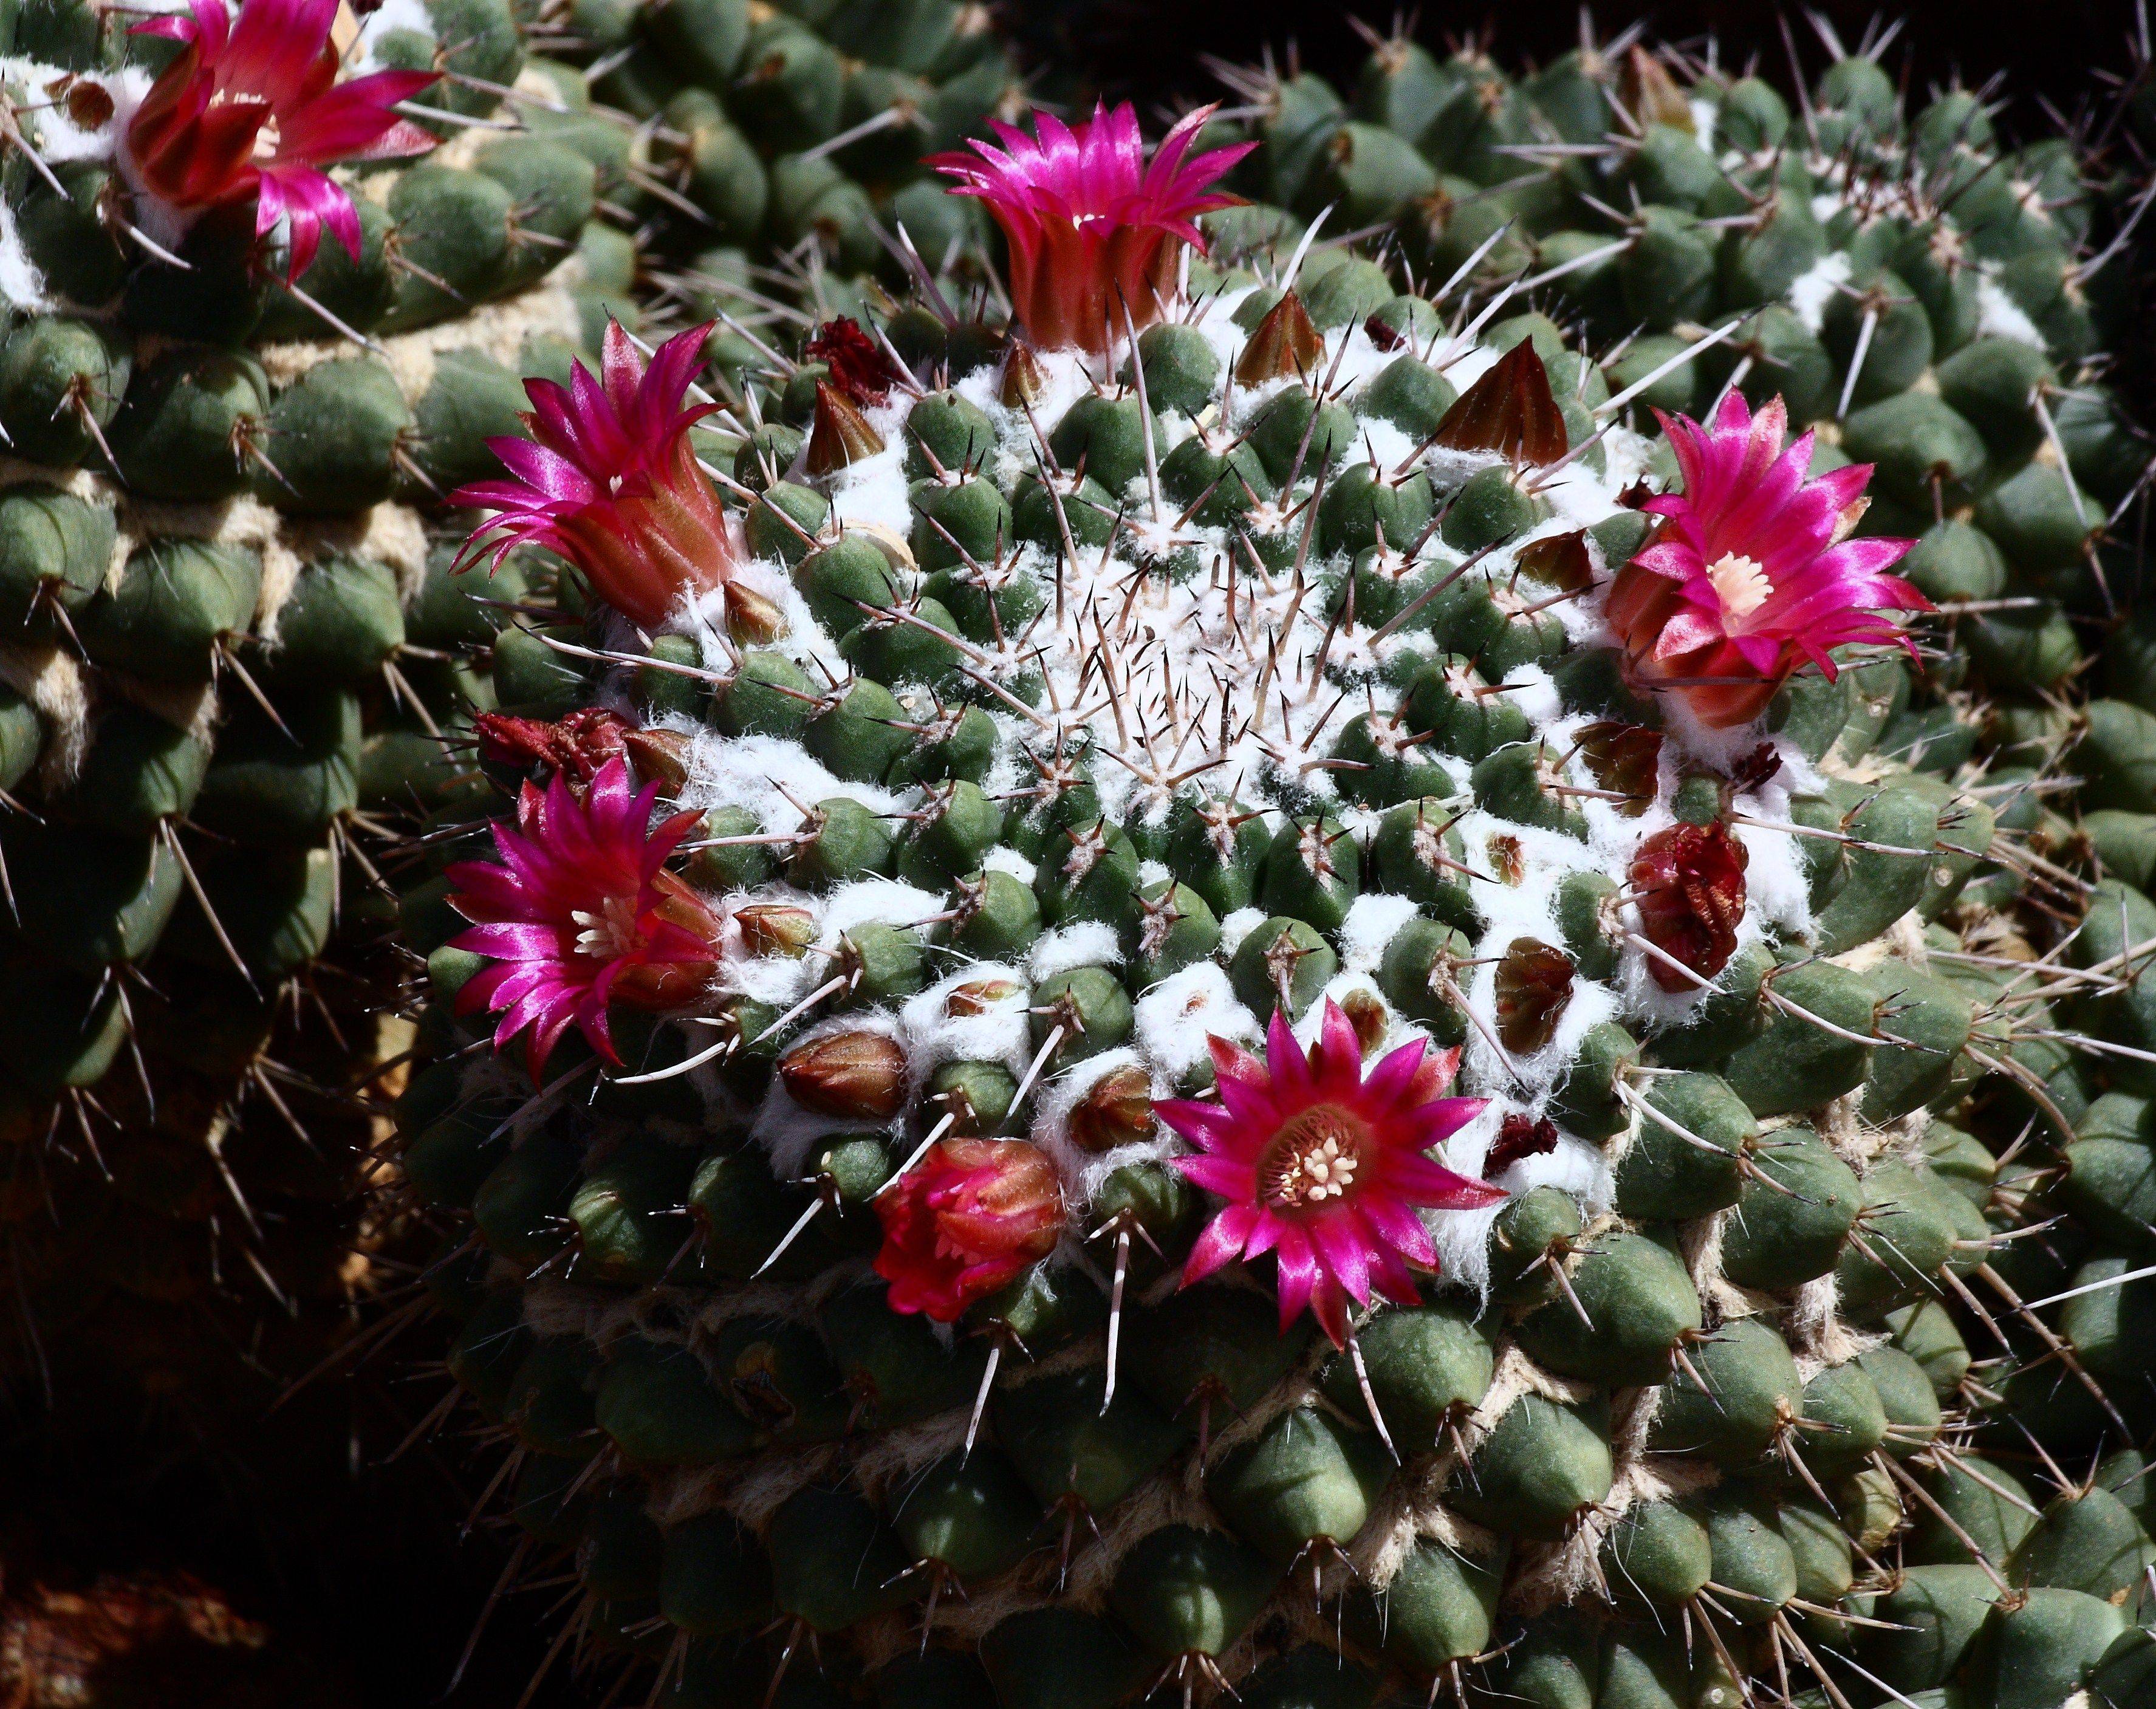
x: 979, y: 996
x: 753, y: 619
x: 776, y: 929
x: 860, y: 1075
x: 1023, y: 375
x: 659, y: 756
x: 1117, y: 1110
x: 970, y: 1219
x: 1369, y: 1017
x: 841, y: 433
x: 1286, y: 344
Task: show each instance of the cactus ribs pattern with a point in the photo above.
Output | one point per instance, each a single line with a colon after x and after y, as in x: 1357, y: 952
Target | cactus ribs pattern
x: 1105, y: 698
x: 228, y: 631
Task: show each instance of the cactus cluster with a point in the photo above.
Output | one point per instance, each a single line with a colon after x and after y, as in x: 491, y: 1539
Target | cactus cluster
x: 894, y: 1274
x: 786, y: 144
x: 233, y: 390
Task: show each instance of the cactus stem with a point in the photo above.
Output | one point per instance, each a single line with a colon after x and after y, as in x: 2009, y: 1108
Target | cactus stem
x: 1941, y: 1457
x: 909, y: 255
x: 1698, y: 347
x: 1431, y: 592
x: 1369, y: 1395
x: 1887, y: 1464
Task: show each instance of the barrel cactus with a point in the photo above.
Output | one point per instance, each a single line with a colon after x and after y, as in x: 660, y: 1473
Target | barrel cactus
x: 262, y: 310
x: 1237, y: 985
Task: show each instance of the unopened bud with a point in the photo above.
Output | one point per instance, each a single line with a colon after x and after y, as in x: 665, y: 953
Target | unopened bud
x: 1369, y: 1017
x: 660, y: 755
x: 1023, y: 375
x: 752, y: 619
x: 841, y: 433
x: 855, y: 1075
x: 1285, y: 345
x: 1116, y: 1110
x: 776, y: 929
x: 979, y: 996
x: 1651, y: 95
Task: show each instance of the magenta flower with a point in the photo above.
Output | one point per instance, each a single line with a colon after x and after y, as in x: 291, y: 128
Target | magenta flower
x: 1324, y: 1168
x: 1089, y: 220
x: 256, y: 109
x: 1753, y: 570
x: 580, y: 912
x: 610, y: 481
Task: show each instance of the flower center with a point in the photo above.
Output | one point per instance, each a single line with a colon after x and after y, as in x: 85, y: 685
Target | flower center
x: 1312, y: 1160
x: 609, y: 933
x: 1740, y: 584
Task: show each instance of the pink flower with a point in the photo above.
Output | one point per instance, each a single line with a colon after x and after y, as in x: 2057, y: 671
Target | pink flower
x: 610, y: 481
x: 1753, y: 571
x: 256, y: 109
x: 581, y: 912
x: 973, y: 1215
x: 1088, y: 219
x: 1324, y: 1168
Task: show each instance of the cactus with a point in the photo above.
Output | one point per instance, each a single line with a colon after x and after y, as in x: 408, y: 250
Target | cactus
x: 233, y: 388
x: 786, y: 143
x: 1245, y: 990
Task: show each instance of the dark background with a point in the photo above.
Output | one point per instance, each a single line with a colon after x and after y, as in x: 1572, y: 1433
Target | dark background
x: 372, y: 1580
x: 1149, y: 50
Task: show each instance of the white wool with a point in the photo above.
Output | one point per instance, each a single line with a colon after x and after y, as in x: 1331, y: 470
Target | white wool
x: 1529, y: 688
x: 1002, y: 858
x: 1997, y: 316
x: 1151, y: 872
x: 1173, y: 1018
x: 760, y: 773
x: 1000, y: 1033
x: 875, y: 490
x: 1239, y: 926
x: 883, y: 902
x: 1084, y: 943
x: 1373, y: 919
x: 22, y: 285
x: 1811, y: 290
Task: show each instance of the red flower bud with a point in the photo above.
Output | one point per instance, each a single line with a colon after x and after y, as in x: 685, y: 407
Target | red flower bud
x: 971, y: 1218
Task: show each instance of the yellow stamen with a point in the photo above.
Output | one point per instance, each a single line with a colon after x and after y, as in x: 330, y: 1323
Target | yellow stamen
x: 1740, y: 584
